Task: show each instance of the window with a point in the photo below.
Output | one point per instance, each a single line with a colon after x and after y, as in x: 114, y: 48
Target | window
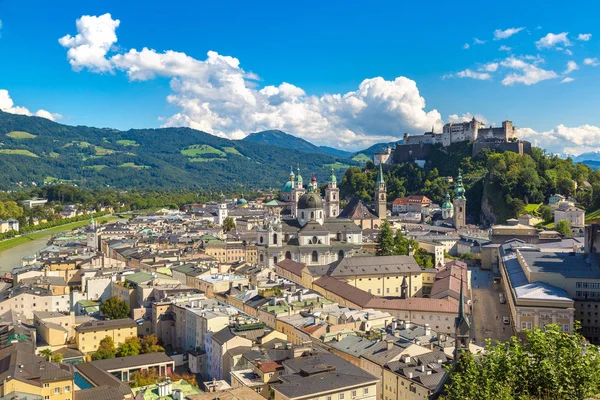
x: 315, y: 256
x: 275, y: 259
x: 46, y: 397
x: 46, y: 385
x: 302, y: 214
x: 378, y: 290
x: 387, y: 290
x: 341, y: 396
x: 312, y: 215
x: 366, y: 391
x: 56, y: 390
x: 67, y: 389
x: 354, y: 393
x: 288, y: 255
x: 275, y: 238
x: 261, y: 239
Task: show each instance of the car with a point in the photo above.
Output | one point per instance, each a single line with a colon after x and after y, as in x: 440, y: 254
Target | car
x: 502, y: 298
x: 505, y: 320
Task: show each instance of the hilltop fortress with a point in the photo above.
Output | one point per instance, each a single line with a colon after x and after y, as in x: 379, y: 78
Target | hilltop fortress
x: 416, y: 148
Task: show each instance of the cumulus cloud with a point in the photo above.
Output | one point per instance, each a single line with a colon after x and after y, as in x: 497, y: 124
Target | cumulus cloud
x: 504, y: 34
x: 466, y: 46
x: 490, y: 67
x: 584, y: 37
x: 467, y: 73
x: 564, y: 139
x: 528, y: 73
x: 594, y: 62
x: 554, y: 39
x: 504, y: 48
x: 7, y: 105
x: 567, y: 80
x: 478, y: 41
x: 571, y: 66
x: 95, y: 37
x: 218, y: 96
x: 455, y: 118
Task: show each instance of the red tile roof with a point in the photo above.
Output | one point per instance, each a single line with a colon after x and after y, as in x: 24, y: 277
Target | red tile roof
x: 291, y: 266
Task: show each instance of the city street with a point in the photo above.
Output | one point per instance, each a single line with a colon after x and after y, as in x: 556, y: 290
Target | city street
x: 487, y: 310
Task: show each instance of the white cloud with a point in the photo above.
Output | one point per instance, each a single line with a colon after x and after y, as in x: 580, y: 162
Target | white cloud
x: 7, y: 105
x: 454, y: 118
x: 563, y: 139
x: 567, y: 80
x: 95, y: 37
x: 594, y: 62
x: 504, y: 34
x: 478, y: 41
x: 466, y: 46
x: 490, y: 67
x: 584, y: 37
x: 528, y: 74
x: 571, y: 66
x: 218, y: 96
x: 504, y: 48
x: 467, y: 73
x: 553, y: 39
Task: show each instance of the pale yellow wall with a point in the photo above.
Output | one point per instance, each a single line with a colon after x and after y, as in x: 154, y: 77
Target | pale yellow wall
x: 387, y: 285
x: 348, y: 394
x: 88, y: 342
x: 65, y: 388
x: 398, y: 387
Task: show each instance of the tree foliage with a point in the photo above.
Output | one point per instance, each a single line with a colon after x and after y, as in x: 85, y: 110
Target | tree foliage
x: 105, y: 350
x: 130, y: 347
x: 385, y: 240
x: 144, y: 378
x: 390, y: 245
x: 564, y: 228
x: 189, y: 378
x: 228, y: 224
x: 548, y: 364
x: 115, y: 308
x: 150, y: 344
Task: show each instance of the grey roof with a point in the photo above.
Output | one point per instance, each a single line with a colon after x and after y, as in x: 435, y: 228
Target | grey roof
x: 100, y: 378
x: 569, y: 265
x: 108, y: 324
x: 320, y: 373
x: 223, y: 336
x: 352, y: 345
x: 18, y: 362
x: 132, y: 361
x: 98, y: 393
x: 372, y: 265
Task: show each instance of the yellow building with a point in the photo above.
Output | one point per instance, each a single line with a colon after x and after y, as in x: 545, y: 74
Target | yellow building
x: 89, y: 335
x: 22, y: 372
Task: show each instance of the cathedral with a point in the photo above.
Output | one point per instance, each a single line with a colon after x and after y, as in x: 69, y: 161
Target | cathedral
x: 304, y: 227
x: 456, y: 209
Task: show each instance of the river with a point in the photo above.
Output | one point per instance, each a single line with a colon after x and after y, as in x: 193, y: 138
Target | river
x: 11, y: 258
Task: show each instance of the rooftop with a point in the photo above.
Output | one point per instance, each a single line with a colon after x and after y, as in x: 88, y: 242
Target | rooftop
x: 108, y: 324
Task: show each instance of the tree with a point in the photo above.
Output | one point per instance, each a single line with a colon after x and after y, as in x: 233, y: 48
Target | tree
x: 385, y: 240
x: 144, y: 378
x: 149, y: 344
x: 57, y: 358
x: 545, y: 212
x: 105, y: 350
x: 189, y: 378
x: 130, y: 347
x: 548, y: 364
x: 564, y: 227
x: 46, y: 353
x: 424, y: 259
x: 401, y: 244
x: 228, y: 224
x: 114, y: 308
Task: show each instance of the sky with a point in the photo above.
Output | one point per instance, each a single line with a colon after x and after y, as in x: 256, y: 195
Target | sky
x: 346, y: 74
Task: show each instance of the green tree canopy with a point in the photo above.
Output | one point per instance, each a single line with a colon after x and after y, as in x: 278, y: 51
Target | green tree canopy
x: 385, y: 240
x: 130, y: 347
x: 564, y: 227
x: 115, y: 308
x: 150, y: 344
x: 228, y: 224
x: 548, y: 364
x: 105, y: 350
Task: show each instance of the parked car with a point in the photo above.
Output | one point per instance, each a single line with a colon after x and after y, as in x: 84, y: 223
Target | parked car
x: 502, y: 298
x: 505, y: 320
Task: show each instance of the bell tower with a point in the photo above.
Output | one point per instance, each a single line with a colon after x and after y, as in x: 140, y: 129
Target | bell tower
x: 460, y: 204
x: 380, y: 195
x: 332, y: 197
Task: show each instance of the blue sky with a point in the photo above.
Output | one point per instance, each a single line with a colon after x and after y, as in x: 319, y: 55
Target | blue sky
x: 340, y: 73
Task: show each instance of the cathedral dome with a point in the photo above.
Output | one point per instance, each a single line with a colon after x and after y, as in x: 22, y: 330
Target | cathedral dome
x: 310, y: 201
x: 287, y: 188
x: 447, y: 205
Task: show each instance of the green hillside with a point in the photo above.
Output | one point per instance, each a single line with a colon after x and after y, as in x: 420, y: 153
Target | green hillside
x: 36, y: 148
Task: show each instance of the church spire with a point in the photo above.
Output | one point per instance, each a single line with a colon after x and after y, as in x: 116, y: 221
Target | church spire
x: 380, y: 175
x: 462, y: 325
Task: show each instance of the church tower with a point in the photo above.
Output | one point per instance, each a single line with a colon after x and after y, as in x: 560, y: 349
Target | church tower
x: 92, y: 234
x: 297, y: 192
x: 332, y: 197
x: 462, y: 326
x: 460, y: 204
x: 380, y: 195
x: 447, y: 208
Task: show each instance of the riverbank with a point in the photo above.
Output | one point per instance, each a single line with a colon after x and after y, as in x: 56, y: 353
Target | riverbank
x: 29, y: 237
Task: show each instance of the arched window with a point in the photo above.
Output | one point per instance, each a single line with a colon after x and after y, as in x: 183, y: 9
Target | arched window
x: 382, y: 196
x: 302, y: 214
x: 288, y: 255
x: 339, y: 236
x: 275, y: 260
x: 340, y: 254
x: 334, y: 196
x: 261, y: 239
x: 274, y: 238
x: 315, y: 240
x: 320, y: 214
x: 460, y: 209
x: 262, y: 258
x: 315, y: 256
x: 312, y: 215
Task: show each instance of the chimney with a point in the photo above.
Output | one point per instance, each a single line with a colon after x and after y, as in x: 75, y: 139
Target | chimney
x: 394, y: 324
x: 407, y: 324
x: 390, y: 345
x: 410, y: 375
x: 427, y: 330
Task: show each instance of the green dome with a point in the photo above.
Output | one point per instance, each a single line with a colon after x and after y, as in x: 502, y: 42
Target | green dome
x: 242, y: 201
x: 332, y: 177
x: 459, y: 190
x: 287, y: 188
x: 309, y: 201
x: 447, y: 205
x: 298, y: 176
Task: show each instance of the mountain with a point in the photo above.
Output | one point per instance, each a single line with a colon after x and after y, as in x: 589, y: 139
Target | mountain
x: 287, y: 141
x: 589, y: 156
x: 336, y: 152
x: 37, y: 150
x: 367, y: 154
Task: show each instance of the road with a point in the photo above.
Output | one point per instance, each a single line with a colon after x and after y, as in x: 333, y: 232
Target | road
x: 487, y: 309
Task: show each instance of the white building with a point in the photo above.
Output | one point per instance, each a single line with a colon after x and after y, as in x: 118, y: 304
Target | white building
x: 576, y: 216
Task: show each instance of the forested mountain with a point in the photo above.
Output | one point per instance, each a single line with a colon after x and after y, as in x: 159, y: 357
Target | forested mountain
x: 285, y: 140
x: 34, y: 149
